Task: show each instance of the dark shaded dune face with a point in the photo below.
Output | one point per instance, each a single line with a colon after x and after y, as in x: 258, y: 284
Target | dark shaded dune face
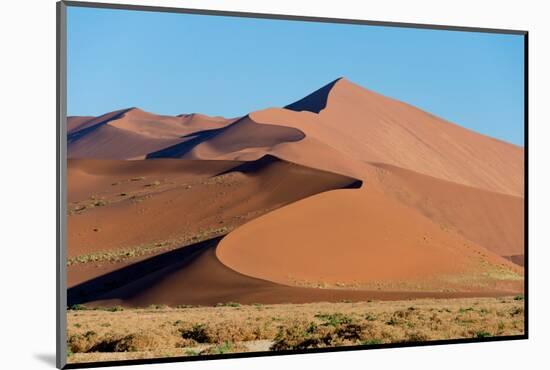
x: 193, y: 275
x: 167, y: 200
x: 492, y: 220
x: 244, y: 134
x: 314, y: 102
x: 78, y: 128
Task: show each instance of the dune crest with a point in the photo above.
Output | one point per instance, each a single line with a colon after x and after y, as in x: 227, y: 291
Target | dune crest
x: 358, y: 239
x: 376, y: 128
x: 132, y: 133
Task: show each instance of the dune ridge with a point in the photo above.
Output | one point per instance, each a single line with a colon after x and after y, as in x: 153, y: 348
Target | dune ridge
x: 343, y: 194
x: 194, y: 275
x: 133, y: 133
x: 167, y: 199
x: 349, y: 238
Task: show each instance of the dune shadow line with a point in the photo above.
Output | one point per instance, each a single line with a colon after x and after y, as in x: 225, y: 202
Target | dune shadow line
x: 102, y: 286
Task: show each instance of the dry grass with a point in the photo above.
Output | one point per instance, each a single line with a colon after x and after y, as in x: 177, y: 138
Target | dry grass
x: 123, y: 254
x: 101, y: 335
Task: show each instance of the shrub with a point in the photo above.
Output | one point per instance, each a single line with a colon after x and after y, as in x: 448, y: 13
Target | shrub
x: 417, y: 337
x: 334, y: 319
x: 78, y: 307
x: 198, y: 333
x: 225, y: 347
x: 370, y: 342
x: 295, y: 337
x: 482, y: 334
x: 114, y: 309
x: 228, y: 304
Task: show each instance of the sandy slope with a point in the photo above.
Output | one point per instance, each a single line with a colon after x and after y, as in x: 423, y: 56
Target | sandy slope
x: 132, y: 133
x: 357, y: 238
x: 489, y: 219
x: 380, y: 129
x: 152, y: 201
x: 243, y: 135
x: 194, y: 275
x: 363, y: 126
x: 341, y: 117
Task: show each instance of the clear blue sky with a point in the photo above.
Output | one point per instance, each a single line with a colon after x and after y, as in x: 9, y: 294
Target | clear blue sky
x: 180, y: 63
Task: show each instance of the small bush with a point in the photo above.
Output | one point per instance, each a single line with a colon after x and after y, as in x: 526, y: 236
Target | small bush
x: 370, y: 342
x: 482, y: 334
x: 334, y: 319
x: 78, y: 307
x: 225, y: 347
x: 295, y: 337
x: 198, y: 333
x: 417, y: 337
x: 114, y: 309
x: 228, y: 304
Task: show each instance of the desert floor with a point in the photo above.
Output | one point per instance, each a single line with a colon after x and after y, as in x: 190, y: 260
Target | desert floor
x: 116, y: 333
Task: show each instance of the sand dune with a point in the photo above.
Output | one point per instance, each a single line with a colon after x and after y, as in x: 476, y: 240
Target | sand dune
x: 194, y: 275
x: 358, y: 238
x: 132, y: 133
x: 341, y: 117
x: 492, y: 220
x: 374, y: 128
x: 344, y: 194
x: 244, y: 134
x: 158, y: 200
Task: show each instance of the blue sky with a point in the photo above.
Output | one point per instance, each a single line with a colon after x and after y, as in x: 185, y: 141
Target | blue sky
x: 181, y: 63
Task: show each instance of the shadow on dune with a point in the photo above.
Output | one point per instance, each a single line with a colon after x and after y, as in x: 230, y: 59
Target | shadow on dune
x: 181, y: 149
x: 242, y: 134
x: 75, y: 135
x: 267, y: 160
x: 194, y: 275
x: 314, y: 102
x: 147, y: 272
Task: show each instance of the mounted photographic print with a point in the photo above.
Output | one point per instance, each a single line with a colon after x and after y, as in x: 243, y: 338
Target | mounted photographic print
x: 235, y: 184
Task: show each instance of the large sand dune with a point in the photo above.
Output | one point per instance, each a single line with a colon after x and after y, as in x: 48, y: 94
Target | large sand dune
x: 344, y: 194
x: 132, y: 133
x: 194, y: 275
x: 124, y: 204
x: 380, y: 129
x: 492, y: 220
x: 348, y: 238
x: 341, y: 117
x: 243, y: 135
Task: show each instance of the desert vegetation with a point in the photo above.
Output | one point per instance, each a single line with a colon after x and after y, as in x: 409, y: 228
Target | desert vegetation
x: 115, y: 333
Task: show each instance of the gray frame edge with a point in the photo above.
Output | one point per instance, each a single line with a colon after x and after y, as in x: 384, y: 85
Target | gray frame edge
x: 287, y: 17
x: 61, y: 159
